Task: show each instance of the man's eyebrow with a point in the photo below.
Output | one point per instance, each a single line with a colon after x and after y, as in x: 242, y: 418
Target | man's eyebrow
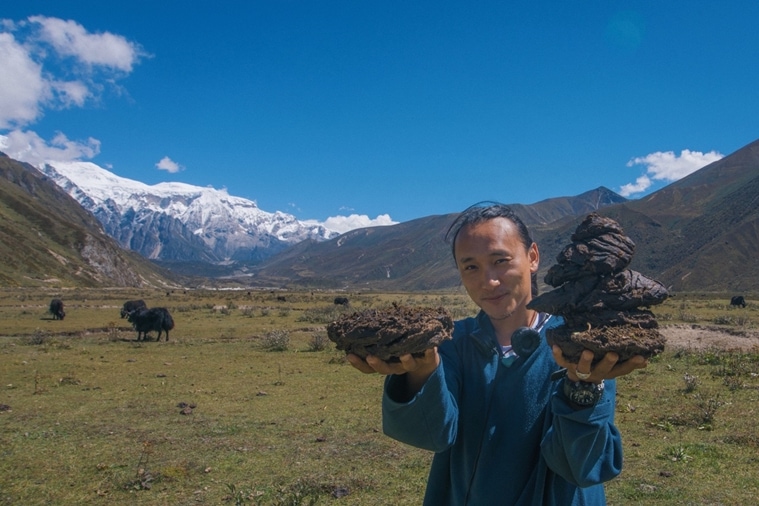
x: 496, y: 253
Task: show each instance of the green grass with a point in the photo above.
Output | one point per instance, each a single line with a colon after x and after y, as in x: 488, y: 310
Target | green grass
x: 95, y: 419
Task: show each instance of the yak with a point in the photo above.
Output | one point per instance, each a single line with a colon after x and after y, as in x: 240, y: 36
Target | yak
x: 341, y: 301
x: 56, y: 307
x: 738, y: 300
x: 147, y: 320
x: 132, y: 305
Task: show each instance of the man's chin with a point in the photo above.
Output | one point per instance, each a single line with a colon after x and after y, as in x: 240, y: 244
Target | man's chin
x: 499, y: 315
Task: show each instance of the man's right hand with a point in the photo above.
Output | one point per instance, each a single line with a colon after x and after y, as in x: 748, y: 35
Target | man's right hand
x: 423, y: 365
x: 416, y: 369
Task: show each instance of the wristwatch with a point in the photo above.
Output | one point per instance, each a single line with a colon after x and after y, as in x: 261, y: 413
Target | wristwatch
x: 582, y: 394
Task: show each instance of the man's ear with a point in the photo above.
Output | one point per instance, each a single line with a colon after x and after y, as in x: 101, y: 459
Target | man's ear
x: 534, y: 256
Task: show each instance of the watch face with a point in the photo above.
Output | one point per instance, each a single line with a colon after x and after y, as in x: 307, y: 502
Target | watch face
x: 583, y: 394
x: 584, y: 397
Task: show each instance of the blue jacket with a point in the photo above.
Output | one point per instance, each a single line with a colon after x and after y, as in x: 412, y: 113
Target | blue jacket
x: 504, y: 435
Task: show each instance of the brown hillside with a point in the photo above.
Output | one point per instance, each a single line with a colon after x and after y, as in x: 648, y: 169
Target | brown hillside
x: 48, y: 239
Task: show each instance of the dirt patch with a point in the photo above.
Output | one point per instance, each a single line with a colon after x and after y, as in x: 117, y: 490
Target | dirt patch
x: 699, y: 337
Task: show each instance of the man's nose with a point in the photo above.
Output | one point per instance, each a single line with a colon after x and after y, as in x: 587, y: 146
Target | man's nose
x: 491, y: 278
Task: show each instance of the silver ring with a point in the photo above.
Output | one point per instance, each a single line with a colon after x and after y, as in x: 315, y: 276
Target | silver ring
x: 582, y: 375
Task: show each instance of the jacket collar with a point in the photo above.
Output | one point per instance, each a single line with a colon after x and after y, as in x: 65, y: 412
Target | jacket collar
x: 483, y: 334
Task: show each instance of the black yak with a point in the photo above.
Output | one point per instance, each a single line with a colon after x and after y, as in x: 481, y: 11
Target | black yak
x: 56, y: 307
x: 738, y: 300
x: 132, y: 305
x: 147, y: 320
x: 342, y: 301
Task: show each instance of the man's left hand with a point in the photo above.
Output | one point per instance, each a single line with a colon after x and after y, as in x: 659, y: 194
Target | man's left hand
x: 608, y: 367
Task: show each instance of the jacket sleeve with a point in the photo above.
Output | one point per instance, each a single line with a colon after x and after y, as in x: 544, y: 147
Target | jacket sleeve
x: 583, y: 446
x: 430, y: 419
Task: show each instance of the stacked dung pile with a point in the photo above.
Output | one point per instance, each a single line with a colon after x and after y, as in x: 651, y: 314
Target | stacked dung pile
x: 599, y: 297
x: 390, y: 333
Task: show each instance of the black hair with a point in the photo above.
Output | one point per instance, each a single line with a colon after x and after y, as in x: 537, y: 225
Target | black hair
x: 485, y: 211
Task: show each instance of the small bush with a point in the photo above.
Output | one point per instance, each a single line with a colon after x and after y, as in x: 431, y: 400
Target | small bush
x: 318, y: 342
x: 277, y: 340
x: 113, y: 332
x: 38, y: 338
x: 691, y: 382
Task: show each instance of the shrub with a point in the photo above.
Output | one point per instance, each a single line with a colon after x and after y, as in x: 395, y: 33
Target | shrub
x: 38, y: 337
x: 318, y: 342
x: 691, y: 382
x: 277, y: 340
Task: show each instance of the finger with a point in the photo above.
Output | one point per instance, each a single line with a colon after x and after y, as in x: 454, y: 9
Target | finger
x: 585, y: 364
x: 360, y: 364
x: 607, y: 364
x: 628, y: 366
x: 422, y: 364
x: 558, y: 356
x: 383, y: 367
x: 408, y: 361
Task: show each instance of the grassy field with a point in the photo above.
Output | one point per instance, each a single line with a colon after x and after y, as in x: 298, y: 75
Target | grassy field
x: 249, y: 403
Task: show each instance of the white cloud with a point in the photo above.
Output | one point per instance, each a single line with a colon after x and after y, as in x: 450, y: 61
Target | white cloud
x: 666, y: 166
x: 69, y: 38
x: 169, y: 165
x: 640, y: 185
x: 32, y: 77
x: 22, y: 87
x: 342, y: 224
x: 31, y: 148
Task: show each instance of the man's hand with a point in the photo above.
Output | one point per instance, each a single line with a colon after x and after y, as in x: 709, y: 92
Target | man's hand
x: 415, y: 369
x: 606, y: 368
x: 408, y: 363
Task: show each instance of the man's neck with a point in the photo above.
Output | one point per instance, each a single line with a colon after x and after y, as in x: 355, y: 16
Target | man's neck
x: 506, y: 327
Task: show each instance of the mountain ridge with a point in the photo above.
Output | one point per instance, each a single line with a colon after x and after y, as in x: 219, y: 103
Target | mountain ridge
x: 48, y: 239
x: 412, y: 255
x: 178, y: 221
x: 699, y: 233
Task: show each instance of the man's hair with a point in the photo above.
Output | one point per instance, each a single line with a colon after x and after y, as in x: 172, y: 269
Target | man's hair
x: 484, y: 211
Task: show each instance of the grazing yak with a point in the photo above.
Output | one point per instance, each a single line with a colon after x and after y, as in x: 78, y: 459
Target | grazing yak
x: 56, y: 307
x: 146, y: 320
x: 738, y: 300
x: 132, y: 305
x: 341, y: 301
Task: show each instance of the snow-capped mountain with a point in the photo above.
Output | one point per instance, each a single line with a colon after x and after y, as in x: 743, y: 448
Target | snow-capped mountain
x: 178, y: 221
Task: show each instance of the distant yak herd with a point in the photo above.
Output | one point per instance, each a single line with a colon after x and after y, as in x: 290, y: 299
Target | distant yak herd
x: 142, y: 318
x: 145, y: 320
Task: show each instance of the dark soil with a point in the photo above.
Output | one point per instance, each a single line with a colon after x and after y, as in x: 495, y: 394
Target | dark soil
x: 390, y: 333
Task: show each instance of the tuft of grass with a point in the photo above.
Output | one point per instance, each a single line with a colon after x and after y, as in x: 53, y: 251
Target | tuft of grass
x: 276, y: 340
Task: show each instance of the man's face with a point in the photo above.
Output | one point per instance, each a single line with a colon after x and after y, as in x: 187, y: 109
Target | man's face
x: 495, y: 267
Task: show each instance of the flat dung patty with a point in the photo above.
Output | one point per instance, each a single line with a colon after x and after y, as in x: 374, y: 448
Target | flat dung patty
x: 392, y: 332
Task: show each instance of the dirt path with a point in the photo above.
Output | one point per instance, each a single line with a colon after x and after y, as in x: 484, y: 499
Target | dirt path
x: 700, y: 337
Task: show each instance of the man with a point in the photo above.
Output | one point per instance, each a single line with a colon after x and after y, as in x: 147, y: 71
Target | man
x: 505, y: 428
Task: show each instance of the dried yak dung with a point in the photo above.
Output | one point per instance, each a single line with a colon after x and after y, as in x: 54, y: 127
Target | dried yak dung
x: 599, y: 297
x: 390, y: 333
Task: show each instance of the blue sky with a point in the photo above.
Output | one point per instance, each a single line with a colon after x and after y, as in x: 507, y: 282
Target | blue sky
x: 405, y: 109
